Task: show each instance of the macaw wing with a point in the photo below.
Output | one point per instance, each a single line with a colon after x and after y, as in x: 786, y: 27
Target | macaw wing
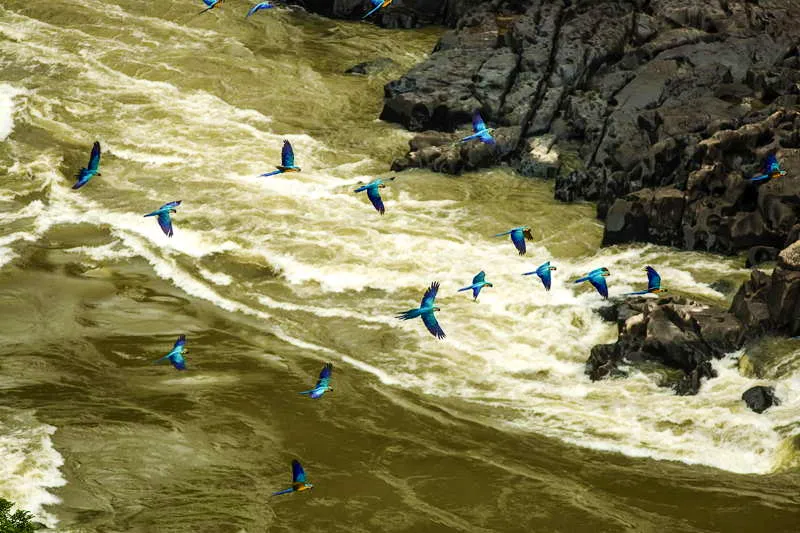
x: 478, y: 124
x: 374, y: 196
x: 518, y: 239
x: 476, y: 291
x: 178, y: 361
x: 298, y: 474
x: 771, y: 164
x: 180, y: 343
x: 287, y: 155
x: 209, y: 3
x: 430, y: 295
x: 546, y: 277
x: 376, y: 2
x: 324, y: 376
x: 653, y: 279
x: 94, y: 159
x: 166, y: 223
x: 433, y: 326
x: 170, y: 205
x: 486, y: 138
x: 599, y: 283
x: 481, y: 276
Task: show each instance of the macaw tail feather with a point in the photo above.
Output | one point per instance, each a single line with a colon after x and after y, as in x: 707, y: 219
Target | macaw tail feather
x: 529, y: 273
x: 284, y: 491
x: 274, y: 172
x: 371, y: 11
x: 408, y: 315
x: 465, y: 289
x: 637, y: 293
x: 581, y: 280
x: 306, y: 391
x: 161, y: 359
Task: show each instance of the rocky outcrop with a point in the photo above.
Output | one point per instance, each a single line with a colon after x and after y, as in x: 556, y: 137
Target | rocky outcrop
x: 674, y: 333
x: 760, y: 398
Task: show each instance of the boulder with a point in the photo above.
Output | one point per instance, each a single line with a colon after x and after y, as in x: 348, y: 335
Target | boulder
x: 371, y: 67
x: 760, y: 398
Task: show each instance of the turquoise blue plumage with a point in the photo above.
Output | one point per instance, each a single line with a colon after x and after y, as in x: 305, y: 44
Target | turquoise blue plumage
x: 299, y: 482
x: 478, y: 282
x: 211, y: 4
x: 653, y: 283
x: 323, y: 383
x: 287, y: 161
x: 378, y: 4
x: 480, y: 131
x: 544, y: 274
x: 771, y: 169
x: 258, y: 7
x: 373, y: 193
x: 92, y: 169
x: 597, y: 278
x: 518, y: 236
x: 426, y: 312
x: 176, y: 355
x: 164, y: 219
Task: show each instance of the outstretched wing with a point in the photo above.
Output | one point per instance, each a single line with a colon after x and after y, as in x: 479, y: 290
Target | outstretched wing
x: 771, y: 164
x: 653, y: 279
x: 433, y: 326
x: 374, y: 196
x: 324, y: 376
x: 180, y: 343
x: 477, y: 122
x: 599, y: 283
x: 298, y: 474
x: 481, y: 276
x: 544, y: 275
x: 259, y: 7
x: 518, y: 239
x: 170, y: 205
x: 476, y: 291
x: 287, y: 155
x: 166, y: 223
x: 486, y: 138
x: 178, y: 361
x: 430, y: 295
x: 94, y: 159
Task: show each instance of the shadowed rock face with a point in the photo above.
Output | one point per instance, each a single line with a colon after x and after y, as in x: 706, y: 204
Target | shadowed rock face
x: 759, y: 399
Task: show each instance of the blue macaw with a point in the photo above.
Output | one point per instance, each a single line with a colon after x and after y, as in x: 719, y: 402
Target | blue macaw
x: 544, y: 274
x: 653, y: 283
x: 374, y: 194
x: 287, y: 161
x: 480, y: 131
x: 426, y: 310
x: 771, y: 170
x: 211, y: 5
x: 518, y: 236
x: 299, y: 483
x: 176, y: 355
x: 323, y: 383
x: 597, y: 278
x: 163, y: 216
x: 378, y: 4
x: 91, y: 170
x: 478, y: 282
x: 258, y: 7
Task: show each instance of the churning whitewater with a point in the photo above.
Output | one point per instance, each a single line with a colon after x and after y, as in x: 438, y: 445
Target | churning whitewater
x: 310, y: 260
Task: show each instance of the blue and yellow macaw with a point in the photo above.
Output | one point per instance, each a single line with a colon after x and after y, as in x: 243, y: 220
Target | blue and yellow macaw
x: 378, y: 5
x: 164, y: 219
x: 480, y: 131
x: 518, y: 236
x: 91, y: 170
x: 176, y: 355
x: 426, y: 310
x: 323, y: 383
x: 771, y: 170
x: 597, y: 278
x: 544, y: 274
x: 258, y: 7
x: 287, y: 161
x: 374, y: 194
x: 299, y: 483
x: 653, y: 283
x: 478, y: 282
x: 211, y: 5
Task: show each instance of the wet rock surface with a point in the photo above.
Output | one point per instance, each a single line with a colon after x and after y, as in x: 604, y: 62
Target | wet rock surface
x: 760, y: 398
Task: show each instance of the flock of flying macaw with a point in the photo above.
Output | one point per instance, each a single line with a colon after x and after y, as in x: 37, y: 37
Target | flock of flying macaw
x: 427, y: 308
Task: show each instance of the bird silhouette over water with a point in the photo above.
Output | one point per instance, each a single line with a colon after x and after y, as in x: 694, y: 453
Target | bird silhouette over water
x: 426, y: 310
x: 211, y: 5
x: 323, y: 383
x: 176, y: 355
x: 478, y: 282
x: 771, y: 170
x: 597, y: 278
x: 480, y: 131
x: 287, y: 161
x: 164, y: 219
x: 299, y: 482
x: 378, y: 4
x: 374, y: 194
x: 653, y: 283
x: 518, y: 236
x: 92, y: 168
x: 258, y: 7
x: 544, y: 274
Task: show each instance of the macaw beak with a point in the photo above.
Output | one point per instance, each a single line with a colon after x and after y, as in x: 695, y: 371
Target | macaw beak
x: 553, y: 268
x: 437, y: 309
x: 606, y: 274
x: 99, y: 174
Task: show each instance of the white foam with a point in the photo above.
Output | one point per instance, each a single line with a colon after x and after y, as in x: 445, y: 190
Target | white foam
x: 8, y: 94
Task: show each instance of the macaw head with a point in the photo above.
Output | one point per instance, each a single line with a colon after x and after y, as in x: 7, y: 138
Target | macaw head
x: 605, y: 273
x: 381, y: 186
x: 656, y: 291
x: 173, y: 210
x: 553, y: 268
x: 437, y: 309
x: 489, y: 285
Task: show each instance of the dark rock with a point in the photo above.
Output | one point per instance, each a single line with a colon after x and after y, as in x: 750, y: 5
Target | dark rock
x: 750, y: 303
x: 723, y: 286
x: 371, y: 67
x: 760, y: 398
x: 760, y: 254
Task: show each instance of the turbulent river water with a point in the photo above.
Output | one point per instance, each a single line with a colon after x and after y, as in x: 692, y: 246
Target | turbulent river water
x: 495, y: 428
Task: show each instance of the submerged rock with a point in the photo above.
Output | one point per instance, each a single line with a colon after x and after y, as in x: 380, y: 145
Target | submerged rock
x: 371, y: 67
x: 760, y: 398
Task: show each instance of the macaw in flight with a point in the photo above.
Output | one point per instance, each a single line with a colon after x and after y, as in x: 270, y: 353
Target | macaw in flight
x: 91, y: 170
x: 287, y: 161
